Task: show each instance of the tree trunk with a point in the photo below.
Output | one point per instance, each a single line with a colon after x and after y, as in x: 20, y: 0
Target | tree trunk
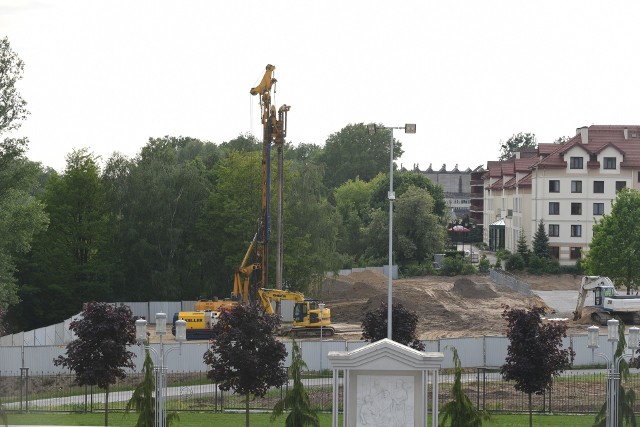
x: 106, y: 407
x: 246, y: 407
x: 530, y: 412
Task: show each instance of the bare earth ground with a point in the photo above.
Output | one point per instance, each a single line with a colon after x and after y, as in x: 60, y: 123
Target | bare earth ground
x: 447, y: 307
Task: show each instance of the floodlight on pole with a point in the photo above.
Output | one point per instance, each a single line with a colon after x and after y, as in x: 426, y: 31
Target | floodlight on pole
x: 613, y: 363
x: 372, y: 129
x: 321, y: 307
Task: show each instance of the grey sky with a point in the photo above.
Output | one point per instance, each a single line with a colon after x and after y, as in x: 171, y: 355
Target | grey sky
x: 108, y: 75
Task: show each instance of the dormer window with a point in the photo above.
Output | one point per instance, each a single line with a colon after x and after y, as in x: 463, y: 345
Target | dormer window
x: 609, y: 163
x: 575, y: 163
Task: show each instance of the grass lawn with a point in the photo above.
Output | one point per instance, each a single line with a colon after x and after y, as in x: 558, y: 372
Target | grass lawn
x: 262, y: 420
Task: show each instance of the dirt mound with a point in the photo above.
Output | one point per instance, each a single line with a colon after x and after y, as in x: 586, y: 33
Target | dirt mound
x: 446, y: 306
x: 468, y: 289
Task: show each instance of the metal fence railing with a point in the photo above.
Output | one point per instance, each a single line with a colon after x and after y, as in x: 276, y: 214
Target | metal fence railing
x: 573, y: 392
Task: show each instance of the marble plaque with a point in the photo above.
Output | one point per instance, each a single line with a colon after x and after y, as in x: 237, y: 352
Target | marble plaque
x: 385, y: 401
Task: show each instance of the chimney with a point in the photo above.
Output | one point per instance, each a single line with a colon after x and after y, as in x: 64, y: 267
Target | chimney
x: 626, y: 133
x: 584, y: 134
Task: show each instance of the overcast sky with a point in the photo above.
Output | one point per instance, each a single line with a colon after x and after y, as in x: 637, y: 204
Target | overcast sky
x: 108, y: 75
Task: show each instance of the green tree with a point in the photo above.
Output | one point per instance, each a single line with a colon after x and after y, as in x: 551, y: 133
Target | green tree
x: 402, y: 181
x: 230, y: 213
x: 535, y: 355
x: 460, y: 411
x: 21, y: 215
x: 403, y: 327
x: 297, y: 399
x: 242, y: 143
x: 13, y: 108
x: 516, y: 143
x: 99, y: 354
x: 616, y: 241
x: 561, y: 140
x: 68, y: 264
x: 418, y: 235
x: 541, y: 247
x: 353, y: 203
x: 353, y: 152
x: 245, y: 356
x: 523, y: 247
x: 311, y: 226
x: 160, y: 246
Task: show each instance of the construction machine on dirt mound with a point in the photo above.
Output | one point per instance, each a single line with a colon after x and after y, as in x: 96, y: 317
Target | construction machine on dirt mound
x: 607, y: 302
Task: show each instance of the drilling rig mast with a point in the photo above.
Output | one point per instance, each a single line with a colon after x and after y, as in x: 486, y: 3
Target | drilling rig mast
x: 274, y: 125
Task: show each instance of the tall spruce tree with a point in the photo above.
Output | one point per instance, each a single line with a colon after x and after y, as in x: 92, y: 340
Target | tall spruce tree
x: 541, y: 246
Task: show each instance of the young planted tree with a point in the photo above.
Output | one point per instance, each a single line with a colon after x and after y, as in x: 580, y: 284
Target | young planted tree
x: 99, y: 354
x: 626, y: 397
x: 245, y: 356
x: 460, y: 411
x: 535, y: 355
x: 523, y: 248
x: 403, y: 327
x: 143, y: 401
x: 296, y: 400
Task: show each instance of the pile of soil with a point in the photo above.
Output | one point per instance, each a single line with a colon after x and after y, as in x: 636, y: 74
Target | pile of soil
x: 446, y: 306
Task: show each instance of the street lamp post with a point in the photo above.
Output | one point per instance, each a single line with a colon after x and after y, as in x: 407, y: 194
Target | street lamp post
x: 160, y: 368
x: 613, y: 363
x: 408, y: 128
x: 321, y: 306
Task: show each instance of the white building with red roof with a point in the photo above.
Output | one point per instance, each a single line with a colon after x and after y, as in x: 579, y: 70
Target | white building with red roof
x: 569, y: 187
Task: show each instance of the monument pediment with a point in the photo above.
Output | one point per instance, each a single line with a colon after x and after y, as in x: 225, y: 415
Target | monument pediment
x: 385, y: 354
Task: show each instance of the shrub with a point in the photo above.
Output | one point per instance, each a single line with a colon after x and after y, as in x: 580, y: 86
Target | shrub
x: 456, y: 266
x: 515, y: 262
x: 484, y: 265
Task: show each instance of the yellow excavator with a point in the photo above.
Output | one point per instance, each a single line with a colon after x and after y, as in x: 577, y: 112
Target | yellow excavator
x: 307, y: 315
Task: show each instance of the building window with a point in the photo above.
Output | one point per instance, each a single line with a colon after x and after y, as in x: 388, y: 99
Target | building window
x: 555, y: 251
x: 620, y: 185
x: 598, y: 186
x: 576, y: 231
x: 576, y: 208
x: 609, y: 163
x: 554, y: 186
x: 554, y: 230
x: 554, y: 208
x: 575, y: 163
x: 598, y: 208
x: 576, y: 253
x: 576, y: 186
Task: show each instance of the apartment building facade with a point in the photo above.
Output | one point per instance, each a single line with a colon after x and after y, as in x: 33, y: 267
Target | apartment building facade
x: 569, y: 187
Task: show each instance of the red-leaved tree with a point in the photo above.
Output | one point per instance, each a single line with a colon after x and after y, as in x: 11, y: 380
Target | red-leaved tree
x: 535, y: 354
x: 99, y: 354
x: 245, y: 355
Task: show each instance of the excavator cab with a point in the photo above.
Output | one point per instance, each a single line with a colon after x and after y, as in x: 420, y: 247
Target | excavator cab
x: 299, y: 311
x: 597, y: 297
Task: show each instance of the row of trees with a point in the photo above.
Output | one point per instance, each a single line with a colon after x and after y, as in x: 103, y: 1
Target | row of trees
x: 246, y: 358
x: 175, y: 221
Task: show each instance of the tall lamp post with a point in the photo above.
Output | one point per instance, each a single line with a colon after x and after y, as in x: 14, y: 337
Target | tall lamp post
x: 613, y: 363
x: 408, y: 128
x: 321, y: 306
x: 160, y: 356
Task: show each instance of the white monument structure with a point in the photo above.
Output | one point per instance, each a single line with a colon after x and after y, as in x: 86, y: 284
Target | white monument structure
x: 385, y: 384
